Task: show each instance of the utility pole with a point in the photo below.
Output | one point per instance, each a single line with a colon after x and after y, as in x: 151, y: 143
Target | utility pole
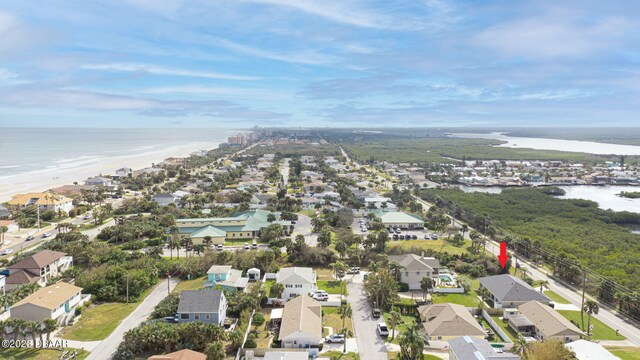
x: 127, y: 288
x: 168, y: 283
x: 38, y: 211
x: 584, y: 288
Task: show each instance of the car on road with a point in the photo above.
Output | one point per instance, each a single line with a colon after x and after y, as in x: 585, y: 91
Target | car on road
x: 46, y: 235
x: 86, y: 217
x: 334, y: 338
x: 434, y: 236
x: 219, y: 247
x: 6, y: 252
x: 383, y: 330
x: 375, y: 313
x: 246, y: 246
x: 363, y: 230
x: 354, y: 270
x: 29, y: 238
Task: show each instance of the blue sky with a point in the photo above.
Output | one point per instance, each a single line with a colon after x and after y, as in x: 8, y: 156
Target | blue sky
x: 141, y: 63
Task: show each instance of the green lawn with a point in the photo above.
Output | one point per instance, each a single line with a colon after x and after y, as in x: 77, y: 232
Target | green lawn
x: 407, y: 320
x: 99, y: 321
x: 38, y: 354
x: 332, y: 287
x: 193, y: 284
x: 600, y: 330
x: 309, y: 213
x: 337, y: 355
x: 506, y: 328
x: 396, y: 356
x: 324, y: 274
x: 331, y: 318
x: 417, y: 245
x: 625, y: 353
x: 239, y: 242
x: 469, y: 299
x: 555, y: 297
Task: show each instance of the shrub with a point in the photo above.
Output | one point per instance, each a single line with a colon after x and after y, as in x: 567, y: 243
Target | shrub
x: 48, y: 215
x: 258, y: 319
x: 404, y: 287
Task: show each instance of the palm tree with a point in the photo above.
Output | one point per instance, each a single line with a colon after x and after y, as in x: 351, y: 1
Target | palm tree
x: 426, y: 284
x: 412, y: 342
x: 590, y: 307
x: 395, y: 269
x: 395, y: 319
x: 34, y: 327
x: 207, y: 240
x: 345, y: 312
x: 276, y: 289
x: 3, y: 229
x: 484, y: 293
x: 339, y: 268
x: 464, y: 228
x: 50, y: 325
x: 544, y: 284
x: 519, y: 346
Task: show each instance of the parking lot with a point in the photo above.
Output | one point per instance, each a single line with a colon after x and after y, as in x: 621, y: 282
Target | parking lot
x: 360, y: 226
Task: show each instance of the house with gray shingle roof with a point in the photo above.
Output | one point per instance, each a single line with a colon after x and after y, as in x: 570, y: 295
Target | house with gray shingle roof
x: 508, y: 291
x: 470, y: 348
x: 209, y: 306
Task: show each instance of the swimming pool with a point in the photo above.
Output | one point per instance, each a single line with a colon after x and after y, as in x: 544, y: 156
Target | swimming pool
x: 446, y: 278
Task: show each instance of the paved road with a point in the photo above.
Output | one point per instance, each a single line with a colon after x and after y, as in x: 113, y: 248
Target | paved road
x: 370, y: 345
x: 284, y: 171
x: 628, y: 329
x: 108, y: 346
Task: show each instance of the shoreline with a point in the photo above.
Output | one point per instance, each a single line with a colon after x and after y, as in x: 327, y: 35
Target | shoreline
x: 43, y: 180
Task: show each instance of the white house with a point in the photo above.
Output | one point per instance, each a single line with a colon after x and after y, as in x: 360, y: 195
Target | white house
x: 415, y: 268
x: 99, y: 181
x: 296, y: 281
x: 124, y: 172
x: 301, y: 324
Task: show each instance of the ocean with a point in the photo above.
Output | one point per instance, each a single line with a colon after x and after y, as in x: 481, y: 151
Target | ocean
x: 33, y: 158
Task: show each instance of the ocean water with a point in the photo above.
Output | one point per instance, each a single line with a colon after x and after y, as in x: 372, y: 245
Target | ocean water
x: 37, y: 150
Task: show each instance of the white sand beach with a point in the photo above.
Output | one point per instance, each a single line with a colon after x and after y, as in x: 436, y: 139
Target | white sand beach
x: 50, y: 178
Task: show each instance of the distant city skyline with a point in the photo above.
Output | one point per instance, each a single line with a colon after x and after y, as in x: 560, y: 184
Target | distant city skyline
x: 236, y: 64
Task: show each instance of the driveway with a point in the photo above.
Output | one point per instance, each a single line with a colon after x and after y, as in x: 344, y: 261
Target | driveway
x: 370, y: 345
x: 108, y: 346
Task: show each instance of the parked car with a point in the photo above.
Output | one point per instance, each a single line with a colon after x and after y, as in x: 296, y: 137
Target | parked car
x: 6, y: 251
x: 395, y: 237
x: 320, y: 296
x: 354, y: 270
x: 171, y: 319
x: 46, y: 235
x: 398, y: 231
x: 254, y: 245
x: 219, y: 247
x: 434, y: 237
x: 86, y: 217
x: 383, y: 330
x: 390, y: 230
x: 401, y: 237
x: 246, y: 246
x: 427, y: 236
x: 363, y: 230
x: 29, y: 238
x: 414, y: 237
x: 375, y: 312
x: 334, y: 338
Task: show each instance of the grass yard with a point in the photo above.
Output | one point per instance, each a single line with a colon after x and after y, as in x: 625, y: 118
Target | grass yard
x: 193, y: 284
x: 506, y: 328
x: 264, y: 337
x: 407, y: 320
x: 332, y: 287
x: 240, y: 242
x: 412, y: 245
x: 396, y: 356
x: 99, y: 321
x: 469, y: 299
x: 309, y: 213
x: 555, y: 297
x: 37, y: 354
x: 600, y: 330
x: 337, y: 355
x: 625, y: 353
x: 331, y: 318
x: 324, y: 274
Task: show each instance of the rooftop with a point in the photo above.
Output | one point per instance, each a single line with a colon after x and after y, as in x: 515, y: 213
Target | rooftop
x: 51, y: 296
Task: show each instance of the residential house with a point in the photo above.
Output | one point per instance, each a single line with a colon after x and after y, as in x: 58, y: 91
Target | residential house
x: 4, y: 213
x: 508, y: 291
x: 397, y: 219
x: 124, y: 172
x: 243, y: 225
x: 227, y: 278
x: 184, y: 354
x: 296, y: 281
x: 40, y: 267
x: 57, y: 301
x: 471, y: 348
x: 99, y: 181
x: 540, y: 321
x: 165, y: 199
x: 448, y: 321
x: 309, y: 203
x: 44, y: 201
x: 415, y: 268
x: 587, y: 350
x: 301, y: 324
x: 208, y: 306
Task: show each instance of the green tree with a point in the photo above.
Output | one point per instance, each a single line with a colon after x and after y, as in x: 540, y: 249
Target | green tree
x: 276, y: 290
x: 3, y: 229
x: 345, y: 312
x: 426, y: 284
x: 412, y: 342
x: 395, y: 319
x: 590, y: 307
x: 215, y: 351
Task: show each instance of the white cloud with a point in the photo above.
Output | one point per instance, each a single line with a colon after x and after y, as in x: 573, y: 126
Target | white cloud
x: 308, y: 57
x: 160, y: 70
x: 552, y: 36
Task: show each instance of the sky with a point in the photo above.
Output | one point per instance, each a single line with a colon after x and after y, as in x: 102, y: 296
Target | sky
x: 313, y: 63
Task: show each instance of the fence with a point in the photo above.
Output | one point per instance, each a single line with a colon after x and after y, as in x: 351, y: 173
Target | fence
x: 495, y: 327
x: 443, y: 290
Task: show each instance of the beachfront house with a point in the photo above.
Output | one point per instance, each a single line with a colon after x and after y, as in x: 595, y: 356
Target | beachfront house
x: 40, y: 267
x: 44, y: 201
x: 99, y: 181
x: 226, y: 278
x: 508, y: 291
x: 209, y: 306
x: 301, y: 325
x: 57, y: 301
x: 124, y: 172
x: 296, y: 281
x: 415, y: 268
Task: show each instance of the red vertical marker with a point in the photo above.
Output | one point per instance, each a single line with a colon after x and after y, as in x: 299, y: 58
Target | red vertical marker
x: 503, y: 254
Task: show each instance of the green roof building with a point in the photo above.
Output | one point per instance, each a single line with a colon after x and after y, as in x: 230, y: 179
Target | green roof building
x: 398, y: 219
